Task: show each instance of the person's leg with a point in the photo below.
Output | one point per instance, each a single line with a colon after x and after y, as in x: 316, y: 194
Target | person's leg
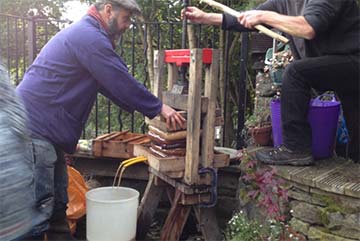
x: 44, y: 159
x: 321, y: 73
x: 16, y: 184
x: 59, y: 228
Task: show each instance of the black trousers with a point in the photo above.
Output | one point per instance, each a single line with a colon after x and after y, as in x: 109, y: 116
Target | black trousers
x: 339, y: 73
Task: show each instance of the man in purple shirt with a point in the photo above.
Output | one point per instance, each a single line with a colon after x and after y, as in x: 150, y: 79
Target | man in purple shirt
x: 59, y: 90
x: 324, y: 39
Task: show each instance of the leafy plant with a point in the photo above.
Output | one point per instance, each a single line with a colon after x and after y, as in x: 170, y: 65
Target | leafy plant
x: 240, y: 228
x: 266, y: 190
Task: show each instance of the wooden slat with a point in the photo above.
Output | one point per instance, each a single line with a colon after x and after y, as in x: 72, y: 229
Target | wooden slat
x: 115, y: 149
x: 97, y: 148
x: 219, y: 121
x: 158, y: 72
x: 175, y: 166
x: 135, y: 138
x: 104, y: 136
x: 208, y: 139
x: 169, y: 136
x: 175, y: 175
x: 148, y: 206
x: 193, y: 126
x: 174, y: 183
x: 114, y: 135
x: 175, y: 220
x: 172, y: 75
x: 171, y: 164
x: 180, y: 102
x: 208, y: 224
x: 117, y: 144
x: 195, y: 199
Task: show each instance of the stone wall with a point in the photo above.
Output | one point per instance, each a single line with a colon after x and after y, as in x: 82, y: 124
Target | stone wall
x: 321, y: 215
x: 315, y: 214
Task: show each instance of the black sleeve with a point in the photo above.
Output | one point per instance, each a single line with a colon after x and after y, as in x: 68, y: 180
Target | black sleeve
x: 230, y: 23
x: 321, y: 14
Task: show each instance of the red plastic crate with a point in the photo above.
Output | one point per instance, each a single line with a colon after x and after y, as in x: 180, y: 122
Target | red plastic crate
x: 182, y: 56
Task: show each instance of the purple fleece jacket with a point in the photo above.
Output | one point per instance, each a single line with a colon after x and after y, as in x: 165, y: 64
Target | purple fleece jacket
x: 61, y: 85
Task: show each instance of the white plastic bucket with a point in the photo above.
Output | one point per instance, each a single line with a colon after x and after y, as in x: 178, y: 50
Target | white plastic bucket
x: 111, y: 214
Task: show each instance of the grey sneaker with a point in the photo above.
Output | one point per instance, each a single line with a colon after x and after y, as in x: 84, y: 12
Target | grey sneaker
x: 284, y: 156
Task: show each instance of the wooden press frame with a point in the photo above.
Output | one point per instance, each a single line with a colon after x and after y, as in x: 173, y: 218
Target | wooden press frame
x: 194, y: 103
x: 164, y: 174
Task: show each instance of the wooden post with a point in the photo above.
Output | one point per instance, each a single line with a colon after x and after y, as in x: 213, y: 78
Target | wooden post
x: 194, y: 111
x: 158, y: 73
x: 176, y: 220
x: 148, y: 206
x: 211, y: 76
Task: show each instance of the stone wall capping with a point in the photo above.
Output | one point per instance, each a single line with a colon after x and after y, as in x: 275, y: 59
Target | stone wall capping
x: 335, y: 175
x: 353, y: 190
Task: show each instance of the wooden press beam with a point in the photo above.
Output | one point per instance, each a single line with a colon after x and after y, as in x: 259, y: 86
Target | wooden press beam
x: 236, y: 14
x: 180, y: 102
x: 208, y: 134
x: 193, y: 116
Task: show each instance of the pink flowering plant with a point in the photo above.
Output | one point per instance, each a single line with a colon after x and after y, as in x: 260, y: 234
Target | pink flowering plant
x: 265, y: 188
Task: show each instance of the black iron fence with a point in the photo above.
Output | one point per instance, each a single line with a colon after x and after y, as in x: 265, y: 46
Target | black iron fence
x: 21, y: 38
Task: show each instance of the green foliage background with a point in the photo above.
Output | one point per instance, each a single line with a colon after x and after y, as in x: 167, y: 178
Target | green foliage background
x: 155, y: 15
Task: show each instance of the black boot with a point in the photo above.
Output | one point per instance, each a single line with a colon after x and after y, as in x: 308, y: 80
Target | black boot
x: 284, y: 156
x: 59, y: 227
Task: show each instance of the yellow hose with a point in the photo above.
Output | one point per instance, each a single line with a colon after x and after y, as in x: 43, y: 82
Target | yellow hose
x: 126, y: 164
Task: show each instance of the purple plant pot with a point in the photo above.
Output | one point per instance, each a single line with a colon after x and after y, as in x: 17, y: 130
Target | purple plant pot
x: 323, y: 118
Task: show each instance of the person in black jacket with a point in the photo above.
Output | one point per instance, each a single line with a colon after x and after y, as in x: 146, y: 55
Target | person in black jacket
x: 324, y: 39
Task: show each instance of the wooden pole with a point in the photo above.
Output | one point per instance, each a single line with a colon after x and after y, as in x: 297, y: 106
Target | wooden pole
x: 235, y: 13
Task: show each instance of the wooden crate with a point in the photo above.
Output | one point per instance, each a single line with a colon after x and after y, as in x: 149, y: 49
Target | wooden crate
x: 118, y: 144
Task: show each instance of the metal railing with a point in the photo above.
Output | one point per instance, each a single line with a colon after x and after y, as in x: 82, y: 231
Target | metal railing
x: 21, y: 38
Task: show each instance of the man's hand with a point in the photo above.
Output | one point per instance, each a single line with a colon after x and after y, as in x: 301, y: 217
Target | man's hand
x: 292, y: 25
x: 251, y: 18
x: 193, y: 14
x: 172, y: 117
x: 196, y: 15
